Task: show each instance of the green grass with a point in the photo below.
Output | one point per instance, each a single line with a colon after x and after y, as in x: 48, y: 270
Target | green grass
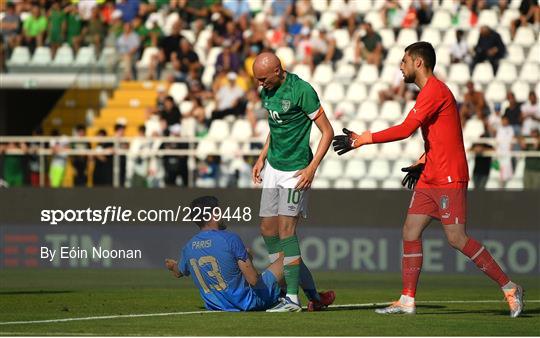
x: 52, y: 294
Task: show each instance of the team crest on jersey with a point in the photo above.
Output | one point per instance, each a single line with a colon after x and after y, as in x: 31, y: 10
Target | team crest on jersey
x: 444, y: 202
x: 285, y: 105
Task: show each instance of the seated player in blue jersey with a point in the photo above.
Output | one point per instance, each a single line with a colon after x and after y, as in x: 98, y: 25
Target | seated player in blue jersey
x: 221, y: 268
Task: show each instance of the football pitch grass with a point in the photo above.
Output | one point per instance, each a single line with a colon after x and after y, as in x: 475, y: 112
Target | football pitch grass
x: 152, y: 302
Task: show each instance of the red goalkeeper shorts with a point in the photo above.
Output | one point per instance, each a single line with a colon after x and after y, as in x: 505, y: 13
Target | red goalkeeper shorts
x: 445, y: 202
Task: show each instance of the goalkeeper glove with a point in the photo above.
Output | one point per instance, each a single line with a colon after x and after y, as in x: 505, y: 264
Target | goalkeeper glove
x: 413, y: 174
x: 350, y: 141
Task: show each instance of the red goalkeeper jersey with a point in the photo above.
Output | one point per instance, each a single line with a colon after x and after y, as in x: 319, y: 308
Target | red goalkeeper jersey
x: 437, y: 112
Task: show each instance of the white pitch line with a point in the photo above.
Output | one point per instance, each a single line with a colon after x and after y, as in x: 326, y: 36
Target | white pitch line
x: 61, y: 320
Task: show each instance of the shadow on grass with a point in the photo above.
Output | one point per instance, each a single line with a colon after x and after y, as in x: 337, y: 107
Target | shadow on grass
x: 38, y: 292
x: 527, y: 312
x: 373, y: 307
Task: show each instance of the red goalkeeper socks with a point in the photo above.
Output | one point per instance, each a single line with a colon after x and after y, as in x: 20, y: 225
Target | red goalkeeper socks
x: 483, y: 260
x: 411, y: 265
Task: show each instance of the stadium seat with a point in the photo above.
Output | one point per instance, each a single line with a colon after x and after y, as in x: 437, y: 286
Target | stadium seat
x: 443, y: 56
x: 530, y: 73
x: 355, y: 169
x: 357, y: 126
x: 504, y: 32
x: 147, y: 55
x: 521, y: 90
x: 378, y: 169
x: 303, y: 71
x: 327, y: 20
x: 391, y: 184
x: 185, y: 107
x: 414, y: 148
x: 406, y: 37
x: 432, y: 36
x: 320, y: 183
x: 514, y: 184
x: 286, y: 55
x: 488, y: 17
x: 375, y: 89
x: 496, y: 92
x: 459, y: 73
x: 179, y: 91
x: 334, y: 92
x: 348, y: 55
x: 332, y: 169
x: 388, y: 37
x: 356, y: 92
x: 323, y: 74
x: 344, y: 72
x: 345, y: 109
x: 506, y: 73
x: 85, y: 57
x: 204, y: 148
x: 534, y: 54
x: 364, y: 6
x: 342, y: 37
x: 63, y: 57
x: 390, y: 150
x: 474, y: 128
x: 483, y: 73
x: 395, y: 54
x: 374, y: 17
x: 368, y: 152
x: 213, y: 55
x: 378, y: 125
x: 472, y: 37
x: 367, y: 183
x: 409, y: 105
x: 188, y: 127
x: 493, y: 183
x: 42, y: 57
x: 108, y: 57
x: 520, y: 169
x: 388, y: 73
x: 19, y: 56
x: 218, y: 131
x: 391, y: 111
x: 524, y: 36
x: 208, y: 75
x: 515, y: 54
x: 396, y: 168
x: 241, y: 130
x: 263, y: 129
x: 368, y: 74
x: 441, y: 20
x: 454, y: 88
x: 441, y: 72
x: 368, y: 111
x: 344, y: 183
x: 202, y: 39
x: 508, y: 16
x: 189, y: 35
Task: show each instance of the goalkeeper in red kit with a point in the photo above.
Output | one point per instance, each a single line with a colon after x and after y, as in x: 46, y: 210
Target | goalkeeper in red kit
x: 439, y: 178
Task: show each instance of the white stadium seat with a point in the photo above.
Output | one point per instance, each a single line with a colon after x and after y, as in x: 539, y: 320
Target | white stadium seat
x: 414, y: 148
x: 357, y: 126
x: 334, y: 92
x: 391, y: 111
x: 432, y: 36
x: 488, y: 17
x: 303, y: 71
x: 443, y: 56
x: 178, y: 91
x: 368, y: 74
x: 356, y: 92
x: 515, y: 54
x: 205, y: 147
x: 388, y: 73
x: 344, y: 183
x: 378, y: 125
x: 524, y: 36
x: 342, y: 37
x: 323, y: 74
x: 332, y: 169
x: 388, y: 37
x: 367, y: 183
x: 375, y: 89
x: 320, y: 183
x: 346, y: 109
x: 41, y: 57
x: 392, y: 184
x: 228, y: 149
x: 19, y: 56
x: 534, y: 54
x: 390, y: 150
x: 530, y: 73
x: 364, y: 6
x: 374, y: 17
x: 344, y: 72
x: 379, y: 169
x: 472, y: 37
x: 395, y: 54
x: 219, y: 130
x: 406, y: 37
x: 441, y: 20
x: 474, y: 128
x: 508, y: 16
x: 507, y: 72
x: 241, y: 130
x: 449, y: 38
x: 483, y: 73
x: 368, y: 111
x: 63, y: 57
x: 459, y: 73
x: 396, y: 168
x: 147, y: 55
x: 355, y: 169
x: 496, y: 92
x: 521, y: 90
x: 286, y: 55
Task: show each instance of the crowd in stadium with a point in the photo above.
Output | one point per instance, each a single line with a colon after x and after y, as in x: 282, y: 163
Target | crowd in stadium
x: 131, y: 26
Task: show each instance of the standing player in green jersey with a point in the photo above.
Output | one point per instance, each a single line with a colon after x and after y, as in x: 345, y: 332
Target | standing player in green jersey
x: 289, y: 168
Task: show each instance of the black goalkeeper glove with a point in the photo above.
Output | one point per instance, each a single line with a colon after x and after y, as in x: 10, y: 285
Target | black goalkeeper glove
x: 413, y: 174
x: 350, y: 140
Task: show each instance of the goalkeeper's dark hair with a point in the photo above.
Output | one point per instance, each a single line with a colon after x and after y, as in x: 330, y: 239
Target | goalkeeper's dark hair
x: 204, y: 202
x: 423, y: 50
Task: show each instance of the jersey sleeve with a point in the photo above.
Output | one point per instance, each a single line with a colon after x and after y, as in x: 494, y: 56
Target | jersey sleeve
x: 237, y: 248
x: 183, y: 266
x: 425, y: 108
x: 308, y: 100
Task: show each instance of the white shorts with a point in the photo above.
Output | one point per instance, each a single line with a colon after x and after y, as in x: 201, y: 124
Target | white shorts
x: 279, y: 196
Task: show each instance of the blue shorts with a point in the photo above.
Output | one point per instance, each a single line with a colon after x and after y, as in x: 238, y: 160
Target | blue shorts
x: 265, y: 292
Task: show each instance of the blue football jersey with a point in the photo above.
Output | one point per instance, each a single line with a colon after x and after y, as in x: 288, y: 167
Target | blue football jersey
x: 211, y: 258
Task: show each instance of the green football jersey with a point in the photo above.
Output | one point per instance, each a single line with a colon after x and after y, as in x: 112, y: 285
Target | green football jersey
x: 291, y: 110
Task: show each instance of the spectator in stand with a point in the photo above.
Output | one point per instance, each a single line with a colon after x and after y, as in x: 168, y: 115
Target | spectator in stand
x: 10, y: 26
x: 79, y: 162
x: 137, y: 160
x: 229, y: 99
x: 94, y: 32
x: 277, y: 9
x: 198, y: 113
x: 34, y: 159
x: 529, y: 13
x: 58, y: 161
x: 392, y: 15
x: 236, y: 8
x: 531, y: 178
x: 474, y: 103
x: 167, y: 46
x: 148, y: 37
x: 369, y: 47
x: 482, y: 164
x: 73, y: 27
x: 34, y: 29
x: 490, y: 47
x: 347, y: 16
x: 324, y: 48
x: 513, y: 113
x: 170, y: 113
x: 504, y: 139
x: 13, y: 165
x: 530, y: 114
x: 227, y: 60
x: 103, y: 162
x: 399, y: 90
x: 119, y: 132
x: 129, y: 9
x: 127, y: 45
x: 279, y: 36
x: 184, y: 61
x: 304, y: 10
x: 175, y: 166
x: 254, y: 110
x: 459, y: 51
x: 494, y: 120
x: 55, y: 31
x: 424, y: 12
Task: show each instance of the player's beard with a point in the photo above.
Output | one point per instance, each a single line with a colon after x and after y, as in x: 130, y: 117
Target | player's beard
x: 409, y: 78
